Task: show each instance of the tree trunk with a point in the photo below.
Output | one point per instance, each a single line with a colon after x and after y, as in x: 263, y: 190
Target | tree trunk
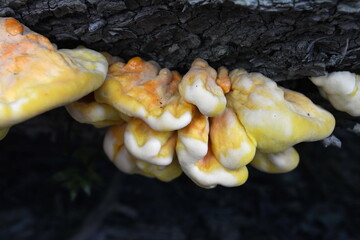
x: 283, y: 39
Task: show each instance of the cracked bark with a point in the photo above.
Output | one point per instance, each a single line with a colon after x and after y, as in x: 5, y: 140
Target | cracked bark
x: 283, y: 39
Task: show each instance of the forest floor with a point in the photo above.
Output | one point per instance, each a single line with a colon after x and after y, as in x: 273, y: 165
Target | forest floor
x: 318, y: 200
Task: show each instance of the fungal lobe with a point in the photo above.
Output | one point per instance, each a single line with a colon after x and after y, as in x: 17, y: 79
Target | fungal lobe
x: 142, y: 90
x: 36, y: 77
x: 199, y: 87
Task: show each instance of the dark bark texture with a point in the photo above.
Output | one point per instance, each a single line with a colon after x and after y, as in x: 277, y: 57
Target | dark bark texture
x: 284, y: 39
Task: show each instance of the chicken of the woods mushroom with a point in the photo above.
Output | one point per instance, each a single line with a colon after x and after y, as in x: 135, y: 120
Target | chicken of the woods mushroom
x: 237, y: 119
x: 36, y: 77
x: 276, y: 118
x: 88, y: 110
x: 209, y: 124
x: 140, y: 89
x: 342, y: 90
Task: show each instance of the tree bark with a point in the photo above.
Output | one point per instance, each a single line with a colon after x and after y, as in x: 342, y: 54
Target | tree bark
x: 284, y: 39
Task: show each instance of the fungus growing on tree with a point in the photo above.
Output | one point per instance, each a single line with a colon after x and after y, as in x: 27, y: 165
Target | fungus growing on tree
x: 140, y: 89
x: 276, y: 118
x: 88, y: 110
x: 223, y: 79
x: 36, y: 77
x: 215, y: 122
x: 199, y: 87
x: 342, y: 90
x: 198, y: 161
x: 280, y: 162
x: 208, y: 172
x: 260, y: 125
x: 115, y: 149
x: 149, y: 145
x: 229, y: 141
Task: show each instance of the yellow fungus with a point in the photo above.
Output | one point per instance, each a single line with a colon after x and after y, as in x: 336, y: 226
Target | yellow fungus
x: 139, y: 89
x: 280, y: 162
x: 275, y: 117
x: 116, y: 151
x: 199, y: 87
x: 229, y: 141
x: 342, y: 90
x: 36, y: 77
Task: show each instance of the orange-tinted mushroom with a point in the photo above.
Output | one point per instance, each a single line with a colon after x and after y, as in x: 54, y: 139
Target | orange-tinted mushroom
x: 199, y: 87
x: 198, y: 161
x: 36, y: 77
x: 280, y: 162
x: 276, y: 118
x: 223, y: 79
x: 117, y: 152
x: 149, y: 145
x: 88, y: 110
x: 230, y: 144
x: 140, y: 89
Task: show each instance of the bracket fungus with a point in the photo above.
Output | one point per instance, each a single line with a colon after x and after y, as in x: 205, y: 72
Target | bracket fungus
x: 342, y: 90
x: 88, y: 110
x: 223, y: 79
x: 209, y: 124
x: 198, y: 161
x: 229, y: 141
x: 140, y: 89
x: 115, y: 149
x: 149, y: 145
x: 208, y: 173
x: 199, y: 87
x: 192, y: 142
x: 276, y: 118
x: 259, y: 126
x: 281, y: 162
x: 36, y: 77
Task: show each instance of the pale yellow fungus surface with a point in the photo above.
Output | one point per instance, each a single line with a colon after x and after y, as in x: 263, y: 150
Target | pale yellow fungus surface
x: 342, y: 90
x: 197, y: 160
x: 88, y: 110
x: 140, y: 89
x: 199, y: 87
x: 275, y: 117
x: 116, y: 151
x: 149, y: 145
x: 280, y: 162
x: 36, y: 77
x: 230, y: 144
